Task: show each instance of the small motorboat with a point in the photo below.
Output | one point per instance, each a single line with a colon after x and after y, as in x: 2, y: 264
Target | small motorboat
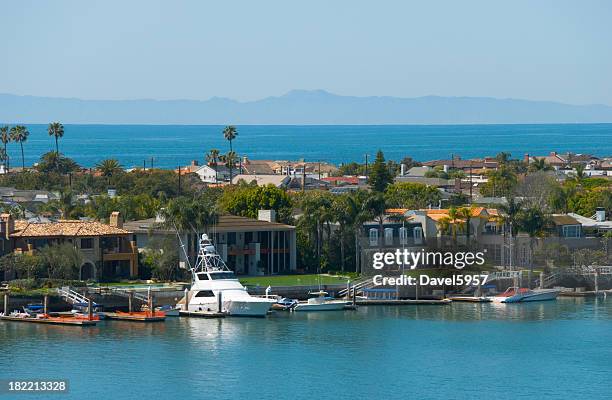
x: 320, y: 301
x: 523, y: 295
x: 33, y: 309
x: 169, y: 310
x: 284, y: 304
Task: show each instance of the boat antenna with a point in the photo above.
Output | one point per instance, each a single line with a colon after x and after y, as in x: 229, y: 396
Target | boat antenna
x: 182, y: 245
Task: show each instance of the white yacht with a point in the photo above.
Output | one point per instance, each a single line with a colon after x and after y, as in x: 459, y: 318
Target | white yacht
x: 213, y: 283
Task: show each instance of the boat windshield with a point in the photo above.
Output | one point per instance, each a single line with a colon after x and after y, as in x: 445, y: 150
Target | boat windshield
x: 222, y: 275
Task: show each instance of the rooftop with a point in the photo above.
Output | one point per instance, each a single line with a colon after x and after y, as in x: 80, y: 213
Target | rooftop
x: 226, y: 223
x: 65, y: 228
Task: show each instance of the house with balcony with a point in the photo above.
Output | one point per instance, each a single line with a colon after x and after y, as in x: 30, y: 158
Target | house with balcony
x: 107, y: 249
x: 249, y: 246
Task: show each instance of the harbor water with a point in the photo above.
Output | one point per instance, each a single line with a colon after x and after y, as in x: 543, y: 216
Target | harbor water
x: 174, y: 145
x: 555, y: 350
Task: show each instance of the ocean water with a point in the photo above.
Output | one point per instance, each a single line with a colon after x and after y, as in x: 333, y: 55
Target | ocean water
x: 552, y: 350
x: 173, y: 145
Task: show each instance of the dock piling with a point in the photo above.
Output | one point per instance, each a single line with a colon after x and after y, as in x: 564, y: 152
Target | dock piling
x: 186, y: 306
x: 6, y: 303
x: 89, y: 310
x: 220, y: 302
x: 541, y: 280
x: 151, y: 310
x: 46, y: 304
x: 130, y: 301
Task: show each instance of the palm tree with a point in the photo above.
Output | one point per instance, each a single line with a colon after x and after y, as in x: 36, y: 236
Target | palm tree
x: 109, y: 168
x: 230, y: 133
x: 374, y: 208
x: 212, y: 157
x: 3, y: 156
x: 56, y: 130
x: 539, y: 164
x: 5, y: 137
x: 580, y: 174
x: 230, y: 161
x: 534, y: 222
x: 20, y: 134
x: 466, y: 213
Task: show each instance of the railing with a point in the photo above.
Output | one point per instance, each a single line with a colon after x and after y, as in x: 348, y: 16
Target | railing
x: 356, y: 288
x: 71, y: 296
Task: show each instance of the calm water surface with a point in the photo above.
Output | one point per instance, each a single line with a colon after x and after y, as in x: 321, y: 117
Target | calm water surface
x: 556, y: 349
x: 173, y: 145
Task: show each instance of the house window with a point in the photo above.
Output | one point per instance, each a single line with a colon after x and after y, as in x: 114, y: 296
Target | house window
x: 205, y: 293
x: 87, y: 243
x: 417, y: 233
x: 403, y: 235
x: 571, y: 231
x: 388, y: 236
x: 373, y: 234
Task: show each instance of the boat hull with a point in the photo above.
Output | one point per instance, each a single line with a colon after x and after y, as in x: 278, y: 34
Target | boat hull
x: 328, y: 306
x: 534, y: 295
x: 247, y: 308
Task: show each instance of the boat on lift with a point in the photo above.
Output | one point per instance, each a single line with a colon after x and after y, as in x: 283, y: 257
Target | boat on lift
x: 214, y: 286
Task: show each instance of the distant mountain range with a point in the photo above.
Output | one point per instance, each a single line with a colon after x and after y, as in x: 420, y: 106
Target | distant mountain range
x: 299, y: 107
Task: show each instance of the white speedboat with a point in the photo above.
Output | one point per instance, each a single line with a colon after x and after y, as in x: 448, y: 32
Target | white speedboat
x: 523, y: 295
x: 215, y: 286
x: 320, y: 301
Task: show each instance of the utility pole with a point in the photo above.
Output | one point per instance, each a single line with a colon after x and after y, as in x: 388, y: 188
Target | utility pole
x: 366, y: 166
x: 471, y: 199
x: 179, y: 180
x: 304, y: 176
x: 151, y: 162
x: 144, y: 164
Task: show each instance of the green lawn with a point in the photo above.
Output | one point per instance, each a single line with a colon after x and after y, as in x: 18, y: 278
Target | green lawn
x: 292, y: 280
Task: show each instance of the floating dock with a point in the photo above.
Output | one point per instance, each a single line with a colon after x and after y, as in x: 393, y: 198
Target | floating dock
x: 391, y: 302
x: 202, y: 314
x: 51, y: 320
x: 470, y: 299
x: 136, y: 316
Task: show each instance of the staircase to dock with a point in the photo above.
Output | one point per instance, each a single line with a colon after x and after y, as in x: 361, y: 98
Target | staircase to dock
x: 72, y: 296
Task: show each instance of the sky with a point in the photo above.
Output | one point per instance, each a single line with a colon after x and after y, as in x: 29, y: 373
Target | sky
x: 537, y: 50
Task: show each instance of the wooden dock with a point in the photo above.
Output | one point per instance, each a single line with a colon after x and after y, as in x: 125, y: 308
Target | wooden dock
x: 136, y: 316
x: 470, y: 299
x: 51, y: 320
x: 202, y: 314
x: 391, y: 302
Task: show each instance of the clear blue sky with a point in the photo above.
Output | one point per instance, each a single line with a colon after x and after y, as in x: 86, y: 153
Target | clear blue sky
x: 550, y: 50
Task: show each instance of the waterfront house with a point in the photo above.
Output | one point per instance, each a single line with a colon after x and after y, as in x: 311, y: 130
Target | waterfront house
x: 108, y: 253
x: 249, y: 246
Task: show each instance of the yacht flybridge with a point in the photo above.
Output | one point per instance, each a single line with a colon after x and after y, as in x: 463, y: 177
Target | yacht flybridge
x: 213, y: 283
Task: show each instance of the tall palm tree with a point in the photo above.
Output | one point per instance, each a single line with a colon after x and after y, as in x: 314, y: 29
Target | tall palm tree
x: 212, y: 157
x: 510, y: 218
x: 374, y: 208
x: 56, y: 130
x: 109, y: 168
x: 466, y: 214
x: 230, y: 160
x: 230, y: 133
x: 19, y: 134
x: 534, y: 222
x: 5, y: 137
